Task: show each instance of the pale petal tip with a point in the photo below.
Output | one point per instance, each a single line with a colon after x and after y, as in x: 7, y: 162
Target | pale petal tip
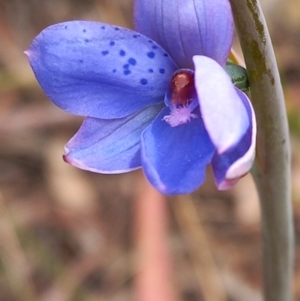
x: 227, y: 183
x: 27, y: 52
x: 66, y: 159
x: 76, y: 163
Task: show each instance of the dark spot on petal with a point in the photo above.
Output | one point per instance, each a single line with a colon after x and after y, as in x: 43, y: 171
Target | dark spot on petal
x: 144, y: 81
x: 151, y: 54
x: 162, y: 70
x: 166, y: 55
x: 102, y: 27
x: 81, y: 61
x: 132, y: 61
x: 150, y: 70
x: 117, y: 28
x: 114, y: 71
x: 135, y: 36
x: 84, y: 30
x: 127, y: 71
x: 122, y: 53
x: 112, y: 43
x: 154, y: 47
x: 150, y: 41
x: 87, y: 40
x: 105, y: 52
x: 126, y: 66
x: 66, y: 27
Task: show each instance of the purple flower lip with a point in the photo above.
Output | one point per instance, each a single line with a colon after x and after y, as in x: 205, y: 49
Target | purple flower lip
x: 156, y: 98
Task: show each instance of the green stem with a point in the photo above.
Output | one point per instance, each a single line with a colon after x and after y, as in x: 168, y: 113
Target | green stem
x: 272, y: 173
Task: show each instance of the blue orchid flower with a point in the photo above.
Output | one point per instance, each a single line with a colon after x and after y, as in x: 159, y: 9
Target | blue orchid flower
x: 156, y: 98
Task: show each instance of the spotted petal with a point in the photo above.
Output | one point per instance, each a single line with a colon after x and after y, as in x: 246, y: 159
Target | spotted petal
x: 232, y: 165
x: 224, y: 114
x: 109, y: 146
x: 174, y: 158
x: 99, y: 70
x: 187, y: 28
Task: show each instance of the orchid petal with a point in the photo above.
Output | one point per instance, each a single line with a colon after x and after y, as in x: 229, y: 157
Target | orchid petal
x: 232, y: 165
x: 224, y: 114
x: 174, y: 158
x: 187, y: 28
x: 99, y: 70
x: 109, y: 146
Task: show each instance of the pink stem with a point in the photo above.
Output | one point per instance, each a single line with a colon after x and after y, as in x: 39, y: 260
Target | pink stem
x: 153, y: 280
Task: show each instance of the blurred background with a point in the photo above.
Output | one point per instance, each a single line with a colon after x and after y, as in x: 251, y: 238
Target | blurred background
x: 67, y: 234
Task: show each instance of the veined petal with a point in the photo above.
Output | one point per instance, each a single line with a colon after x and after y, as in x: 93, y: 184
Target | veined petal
x: 174, y: 158
x: 232, y: 165
x: 187, y: 28
x: 99, y: 70
x: 109, y: 146
x: 224, y: 114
